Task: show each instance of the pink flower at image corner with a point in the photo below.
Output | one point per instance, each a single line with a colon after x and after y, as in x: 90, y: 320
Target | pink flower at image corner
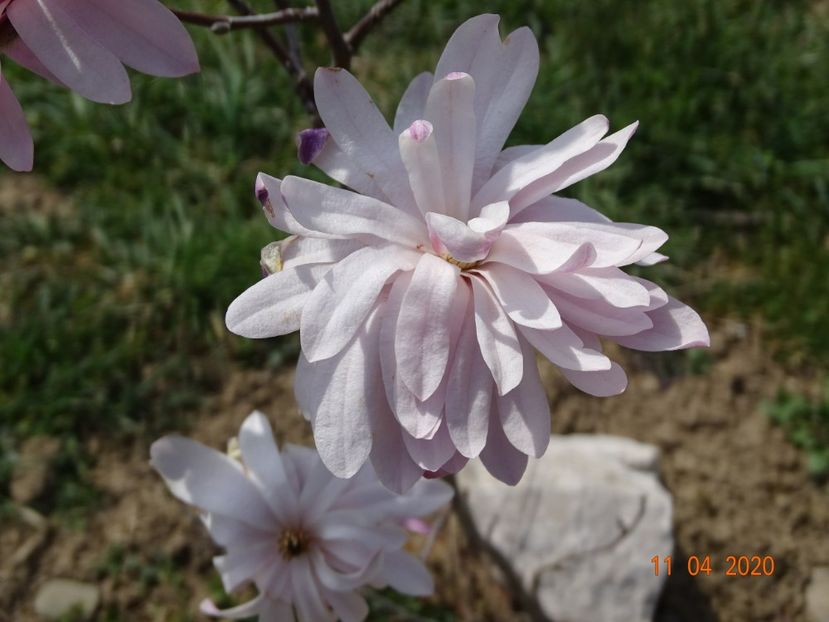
x: 84, y: 47
x: 422, y: 294
x: 307, y: 540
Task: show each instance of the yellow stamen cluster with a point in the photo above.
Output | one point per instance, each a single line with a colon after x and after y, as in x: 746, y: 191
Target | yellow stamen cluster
x: 293, y: 542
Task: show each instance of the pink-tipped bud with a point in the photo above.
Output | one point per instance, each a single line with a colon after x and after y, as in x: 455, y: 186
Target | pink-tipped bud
x: 420, y: 130
x: 261, y: 191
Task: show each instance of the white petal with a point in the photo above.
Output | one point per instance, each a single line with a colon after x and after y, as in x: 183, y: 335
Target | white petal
x: 675, y: 326
x: 362, y: 133
x: 413, y: 102
x: 209, y: 480
x: 520, y: 295
x: 392, y: 463
x: 276, y: 611
x: 343, y: 298
x: 274, y: 305
x: 518, y: 174
x: 343, y: 213
x: 536, y: 254
x: 608, y: 284
x: 269, y: 193
x: 596, y: 316
x: 501, y: 459
x: 341, y: 167
x: 525, y: 411
x: 430, y: 453
x: 407, y: 574
x: 560, y: 209
x: 245, y: 610
x: 422, y: 335
x: 419, y: 151
x: 348, y: 606
x: 598, y: 158
x: 450, y: 108
x: 307, y: 598
x: 496, y: 338
x: 564, y: 348
x: 240, y: 565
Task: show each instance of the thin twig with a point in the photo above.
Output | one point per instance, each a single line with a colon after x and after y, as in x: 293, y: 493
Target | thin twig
x: 340, y: 50
x: 302, y: 85
x: 291, y: 34
x: 221, y: 24
x: 358, y: 32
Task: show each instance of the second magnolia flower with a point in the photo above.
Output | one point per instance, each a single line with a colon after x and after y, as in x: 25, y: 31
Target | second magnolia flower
x: 422, y: 296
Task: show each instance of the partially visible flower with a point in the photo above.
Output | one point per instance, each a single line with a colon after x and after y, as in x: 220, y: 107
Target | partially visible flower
x: 423, y: 293
x: 306, y: 539
x: 84, y: 45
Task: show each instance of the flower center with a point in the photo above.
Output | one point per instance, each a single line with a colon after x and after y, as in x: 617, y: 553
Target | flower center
x: 293, y: 542
x: 463, y: 265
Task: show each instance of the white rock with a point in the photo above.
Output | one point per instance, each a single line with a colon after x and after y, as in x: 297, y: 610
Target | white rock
x: 817, y: 595
x: 58, y: 597
x: 581, y: 527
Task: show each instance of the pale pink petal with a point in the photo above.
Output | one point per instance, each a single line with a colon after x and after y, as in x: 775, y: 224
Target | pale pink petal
x: 261, y: 456
x: 335, y: 163
x: 20, y: 53
x: 525, y: 411
x: 392, y: 463
x: 246, y: 610
x: 413, y: 102
x: 307, y: 598
x: 574, y: 170
x: 452, y: 466
x: 538, y: 254
x: 209, y: 480
x: 518, y: 174
x: 338, y: 393
x: 599, y: 383
x: 362, y: 133
x: 419, y: 151
x: 143, y: 34
x: 269, y: 192
x: 652, y: 259
x: 276, y: 611
x: 496, y: 338
x: 597, y: 316
x: 512, y: 153
x: 387, y: 537
x: 450, y: 108
x: 422, y: 332
x: 523, y: 299
x: 564, y: 348
x: 675, y: 326
x: 229, y: 532
x: 320, y: 493
x: 274, y: 305
x: 343, y: 298
x: 240, y: 564
x: 501, y: 459
x: 452, y: 237
x: 16, y: 146
x: 68, y: 51
x: 407, y: 574
x: 297, y: 251
x: 658, y: 296
x: 608, y: 284
x: 430, y: 453
x: 560, y: 209
x: 340, y: 581
x: 348, y: 606
x: 343, y: 213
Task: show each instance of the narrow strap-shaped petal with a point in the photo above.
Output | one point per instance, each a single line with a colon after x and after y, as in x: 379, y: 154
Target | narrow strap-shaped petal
x: 430, y: 453
x: 144, y: 34
x: 340, y: 581
x: 422, y: 339
x: 68, y: 52
x: 559, y: 209
x: 450, y: 108
x: 605, y: 383
x: 262, y: 457
x: 564, y: 348
x: 16, y: 146
x: 20, y: 53
x: 599, y: 317
x: 362, y: 133
x: 343, y: 213
x: 413, y: 102
x: 407, y: 574
x: 520, y: 173
x: 525, y: 411
x: 245, y: 610
x: 337, y: 164
x: 468, y: 242
x: 269, y: 193
x: 469, y: 394
x: 533, y: 253
x: 344, y: 297
x: 520, y: 295
x: 349, y: 606
x: 496, y: 338
x: 501, y: 459
x: 608, y: 284
x: 394, y: 467
x: 209, y: 480
x: 273, y: 306
x: 307, y: 598
x: 676, y: 326
x: 276, y: 611
x: 596, y: 159
x: 240, y: 565
x: 420, y: 157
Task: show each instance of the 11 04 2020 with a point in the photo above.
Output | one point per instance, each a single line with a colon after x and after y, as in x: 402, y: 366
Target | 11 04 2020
x: 734, y: 566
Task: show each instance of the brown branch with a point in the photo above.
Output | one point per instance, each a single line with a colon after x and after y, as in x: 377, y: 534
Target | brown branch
x: 221, y: 24
x: 302, y: 85
x: 340, y: 50
x: 375, y: 15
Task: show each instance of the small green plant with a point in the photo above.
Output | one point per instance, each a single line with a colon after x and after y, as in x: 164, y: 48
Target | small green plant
x: 806, y: 423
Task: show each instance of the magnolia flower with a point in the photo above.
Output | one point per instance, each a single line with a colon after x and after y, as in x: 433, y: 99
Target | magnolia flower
x: 306, y: 539
x: 82, y: 45
x: 422, y: 294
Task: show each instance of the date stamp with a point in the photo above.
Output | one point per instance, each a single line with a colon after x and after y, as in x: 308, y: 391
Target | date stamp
x: 734, y: 566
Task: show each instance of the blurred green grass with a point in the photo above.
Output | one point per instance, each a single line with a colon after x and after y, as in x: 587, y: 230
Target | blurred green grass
x: 113, y: 316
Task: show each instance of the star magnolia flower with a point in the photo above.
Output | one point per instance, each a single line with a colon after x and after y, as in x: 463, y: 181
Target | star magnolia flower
x: 82, y: 45
x: 306, y: 539
x: 422, y: 295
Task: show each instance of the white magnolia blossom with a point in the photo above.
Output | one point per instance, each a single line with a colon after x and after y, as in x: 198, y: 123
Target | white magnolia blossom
x: 306, y: 539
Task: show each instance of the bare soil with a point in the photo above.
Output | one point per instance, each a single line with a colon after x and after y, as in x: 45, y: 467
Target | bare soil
x: 739, y: 488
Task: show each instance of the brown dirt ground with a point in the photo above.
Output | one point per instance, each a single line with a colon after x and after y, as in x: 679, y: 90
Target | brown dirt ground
x: 738, y: 486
